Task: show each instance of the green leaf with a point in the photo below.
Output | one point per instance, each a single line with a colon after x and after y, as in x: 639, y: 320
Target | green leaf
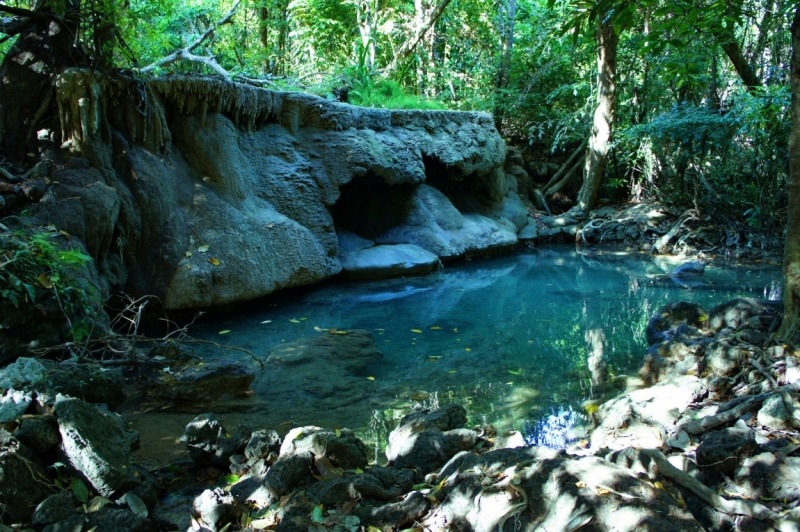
x: 230, y: 479
x: 79, y: 489
x: 136, y: 504
x: 316, y: 515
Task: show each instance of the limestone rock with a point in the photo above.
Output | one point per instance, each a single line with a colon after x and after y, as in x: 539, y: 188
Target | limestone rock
x: 97, y: 444
x: 380, y: 262
x: 722, y: 450
x: 774, y: 415
x: 215, y: 509
x: 195, y: 386
x: 770, y: 475
x: 210, y: 443
x: 345, y: 451
x: 13, y: 404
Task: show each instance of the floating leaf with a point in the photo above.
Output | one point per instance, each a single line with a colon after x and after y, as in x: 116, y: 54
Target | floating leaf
x: 381, y: 330
x: 436, y: 328
x: 591, y: 409
x: 269, y: 226
x: 467, y: 349
x: 203, y: 249
x: 136, y: 504
x: 434, y: 357
x: 337, y: 432
x: 514, y: 372
x: 316, y: 515
x: 420, y: 396
x: 455, y: 330
x: 226, y: 331
x: 187, y: 254
x: 370, y: 378
x: 453, y: 371
x: 340, y: 332
x: 294, y: 320
x: 96, y: 504
x: 213, y: 261
x: 303, y: 319
x: 317, y: 329
x: 418, y: 331
x: 267, y: 321
x: 79, y: 489
x: 188, y: 266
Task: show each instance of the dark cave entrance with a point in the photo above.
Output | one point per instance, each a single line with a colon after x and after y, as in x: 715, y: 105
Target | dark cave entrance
x: 369, y: 207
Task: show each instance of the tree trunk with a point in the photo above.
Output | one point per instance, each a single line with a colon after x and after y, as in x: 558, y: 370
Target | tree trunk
x: 732, y: 49
x: 600, y: 140
x: 791, y: 256
x: 507, y: 16
x: 43, y: 49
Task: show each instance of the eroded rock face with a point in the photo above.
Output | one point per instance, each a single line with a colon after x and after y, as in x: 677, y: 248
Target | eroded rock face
x: 224, y: 192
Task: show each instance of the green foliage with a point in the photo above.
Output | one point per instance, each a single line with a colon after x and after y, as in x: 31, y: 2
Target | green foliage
x: 33, y: 268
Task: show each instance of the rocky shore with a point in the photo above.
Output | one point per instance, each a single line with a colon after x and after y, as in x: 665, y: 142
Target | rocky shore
x: 710, y: 443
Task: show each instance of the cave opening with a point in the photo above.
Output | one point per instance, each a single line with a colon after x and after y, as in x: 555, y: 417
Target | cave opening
x: 369, y: 207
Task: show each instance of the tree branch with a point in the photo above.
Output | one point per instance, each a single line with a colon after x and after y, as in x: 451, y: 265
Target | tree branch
x: 410, y: 44
x: 186, y: 53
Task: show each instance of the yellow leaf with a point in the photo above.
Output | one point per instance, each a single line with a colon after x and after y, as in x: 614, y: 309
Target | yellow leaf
x: 294, y: 320
x: 370, y: 378
x: 341, y: 332
x: 337, y: 432
x: 226, y: 331
x: 418, y: 331
x: 187, y: 254
x: 467, y: 349
x: 658, y: 485
x: 702, y: 318
x: 203, y: 249
x: 435, y: 328
x: 44, y: 280
x: 453, y: 371
x: 213, y: 261
x: 591, y: 409
x: 580, y: 484
x: 602, y: 491
x: 455, y: 330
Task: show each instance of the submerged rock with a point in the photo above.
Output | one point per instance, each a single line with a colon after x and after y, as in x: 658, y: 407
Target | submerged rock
x: 196, y: 385
x: 381, y: 262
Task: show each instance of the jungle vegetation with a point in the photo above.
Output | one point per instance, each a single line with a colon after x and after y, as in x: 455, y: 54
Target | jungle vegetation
x: 684, y: 102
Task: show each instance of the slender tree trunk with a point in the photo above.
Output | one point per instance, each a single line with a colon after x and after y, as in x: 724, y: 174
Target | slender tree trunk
x: 597, y: 152
x: 729, y: 44
x: 507, y: 16
x: 263, y: 35
x: 791, y: 256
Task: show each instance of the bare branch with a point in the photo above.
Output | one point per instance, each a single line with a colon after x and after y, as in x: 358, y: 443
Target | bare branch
x: 185, y: 54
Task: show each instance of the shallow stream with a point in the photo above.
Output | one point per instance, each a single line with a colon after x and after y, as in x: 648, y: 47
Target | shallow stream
x: 524, y: 341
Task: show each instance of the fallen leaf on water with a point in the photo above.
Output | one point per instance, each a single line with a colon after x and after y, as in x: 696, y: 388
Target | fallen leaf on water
x: 436, y: 328
x: 514, y: 372
x: 453, y: 371
x: 370, y: 378
x: 187, y: 254
x: 337, y: 431
x: 213, y: 261
x: 420, y: 396
x: 434, y: 357
x: 302, y: 319
x: 418, y: 331
x: 267, y: 321
x: 381, y: 330
x: 188, y: 266
x: 340, y: 332
x: 455, y: 330
x: 226, y: 331
x: 294, y: 320
x: 467, y: 349
x: 317, y: 329
x: 203, y: 249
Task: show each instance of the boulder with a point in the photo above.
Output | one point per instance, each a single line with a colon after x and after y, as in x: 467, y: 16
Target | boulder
x: 425, y: 440
x: 39, y: 433
x: 20, y: 489
x: 345, y: 451
x: 13, y: 404
x: 195, y: 385
x: 771, y: 476
x: 216, y: 509
x: 209, y: 443
x: 732, y: 314
x: 97, y: 444
x: 773, y: 414
x: 55, y: 508
x: 722, y: 450
x: 380, y: 262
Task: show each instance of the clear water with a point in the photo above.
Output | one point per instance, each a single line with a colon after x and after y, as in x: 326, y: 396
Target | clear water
x: 505, y: 337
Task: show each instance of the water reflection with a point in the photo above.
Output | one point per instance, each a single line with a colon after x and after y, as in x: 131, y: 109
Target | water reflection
x: 521, y: 341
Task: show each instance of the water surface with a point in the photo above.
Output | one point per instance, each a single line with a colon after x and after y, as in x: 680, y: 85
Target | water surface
x: 505, y: 337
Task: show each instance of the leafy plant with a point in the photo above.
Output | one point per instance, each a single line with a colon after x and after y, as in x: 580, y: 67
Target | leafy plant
x: 33, y: 267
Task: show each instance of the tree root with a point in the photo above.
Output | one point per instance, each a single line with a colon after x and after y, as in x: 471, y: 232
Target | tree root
x: 716, y: 501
